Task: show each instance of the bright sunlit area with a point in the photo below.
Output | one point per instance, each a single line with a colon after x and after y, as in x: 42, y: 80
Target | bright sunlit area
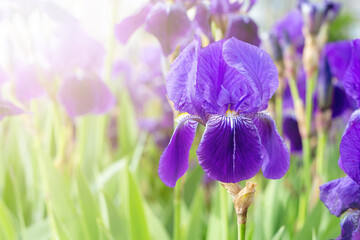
x: 179, y: 119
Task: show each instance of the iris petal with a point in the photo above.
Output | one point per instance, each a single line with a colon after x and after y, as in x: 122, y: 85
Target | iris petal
x: 276, y: 154
x: 171, y: 26
x: 340, y: 195
x: 255, y: 65
x: 129, y: 25
x: 350, y: 148
x: 230, y: 149
x: 174, y: 160
x: 291, y: 131
x: 339, y: 55
x: 352, y: 75
x: 244, y: 29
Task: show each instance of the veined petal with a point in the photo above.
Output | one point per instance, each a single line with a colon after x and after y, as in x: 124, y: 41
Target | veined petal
x: 174, y: 160
x: 340, y: 195
x: 230, y: 149
x: 275, y: 152
x: 350, y: 225
x: 180, y: 81
x: 352, y: 75
x: 350, y: 147
x: 129, y: 25
x: 255, y: 65
x: 171, y: 27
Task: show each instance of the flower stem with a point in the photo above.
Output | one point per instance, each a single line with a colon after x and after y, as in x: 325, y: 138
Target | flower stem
x: 241, y: 231
x: 224, y: 215
x: 177, y: 208
x: 279, y: 114
x: 320, y: 153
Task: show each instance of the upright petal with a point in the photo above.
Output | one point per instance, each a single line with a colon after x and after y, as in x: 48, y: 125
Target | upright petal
x: 352, y: 76
x: 181, y: 78
x: 255, y: 65
x: 350, y: 147
x: 129, y: 25
x: 203, y: 20
x: 275, y: 152
x: 244, y: 29
x: 230, y: 149
x: 174, y: 160
x: 340, y: 195
x: 8, y: 109
x: 171, y: 27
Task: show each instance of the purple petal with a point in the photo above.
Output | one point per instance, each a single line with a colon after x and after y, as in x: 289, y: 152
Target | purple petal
x: 181, y: 78
x: 255, y: 65
x: 219, y: 7
x: 324, y: 85
x: 230, y: 149
x: 27, y: 85
x: 350, y: 225
x: 218, y: 85
x: 340, y: 101
x: 129, y: 25
x: 85, y: 95
x: 8, y: 109
x: 291, y: 132
x: 350, y: 147
x: 352, y: 75
x: 340, y: 195
x: 203, y: 20
x: 275, y: 152
x: 339, y: 55
x: 244, y: 29
x: 171, y: 26
x: 174, y: 160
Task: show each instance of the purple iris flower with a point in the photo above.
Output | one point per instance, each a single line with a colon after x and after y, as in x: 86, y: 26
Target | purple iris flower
x: 26, y: 84
x: 316, y: 14
x: 350, y: 225
x: 169, y: 24
x: 8, y: 109
x: 85, y: 95
x: 224, y: 86
x: 291, y: 132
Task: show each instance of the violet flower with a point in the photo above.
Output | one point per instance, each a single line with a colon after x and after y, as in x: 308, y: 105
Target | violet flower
x: 85, y: 95
x: 224, y: 86
x: 169, y: 24
x: 317, y: 14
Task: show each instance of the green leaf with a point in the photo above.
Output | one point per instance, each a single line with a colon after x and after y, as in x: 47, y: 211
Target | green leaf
x: 7, y: 225
x: 195, y: 224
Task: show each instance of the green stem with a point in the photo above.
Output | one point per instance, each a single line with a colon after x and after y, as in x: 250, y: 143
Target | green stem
x: 241, y: 231
x: 177, y: 208
x: 307, y: 162
x: 224, y: 215
x: 320, y: 153
x: 279, y: 113
x: 310, y: 85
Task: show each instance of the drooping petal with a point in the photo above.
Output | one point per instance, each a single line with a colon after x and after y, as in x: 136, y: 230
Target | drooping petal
x: 350, y: 225
x: 171, y: 27
x: 350, y: 147
x: 291, y: 132
x: 8, y: 109
x: 181, y: 78
x: 129, y: 25
x: 244, y: 29
x: 338, y: 55
x: 352, y: 76
x: 255, y: 65
x: 340, y: 102
x: 230, y: 149
x: 275, y: 152
x: 174, y: 160
x: 340, y: 195
x: 203, y: 20
x: 86, y: 95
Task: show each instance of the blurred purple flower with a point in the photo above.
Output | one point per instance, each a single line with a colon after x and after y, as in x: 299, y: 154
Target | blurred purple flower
x: 169, y: 24
x: 316, y: 14
x: 291, y: 132
x: 203, y: 20
x: 85, y: 95
x: 338, y: 55
x: 351, y: 79
x: 3, y: 76
x: 224, y: 86
x: 244, y: 29
x: 8, y: 109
